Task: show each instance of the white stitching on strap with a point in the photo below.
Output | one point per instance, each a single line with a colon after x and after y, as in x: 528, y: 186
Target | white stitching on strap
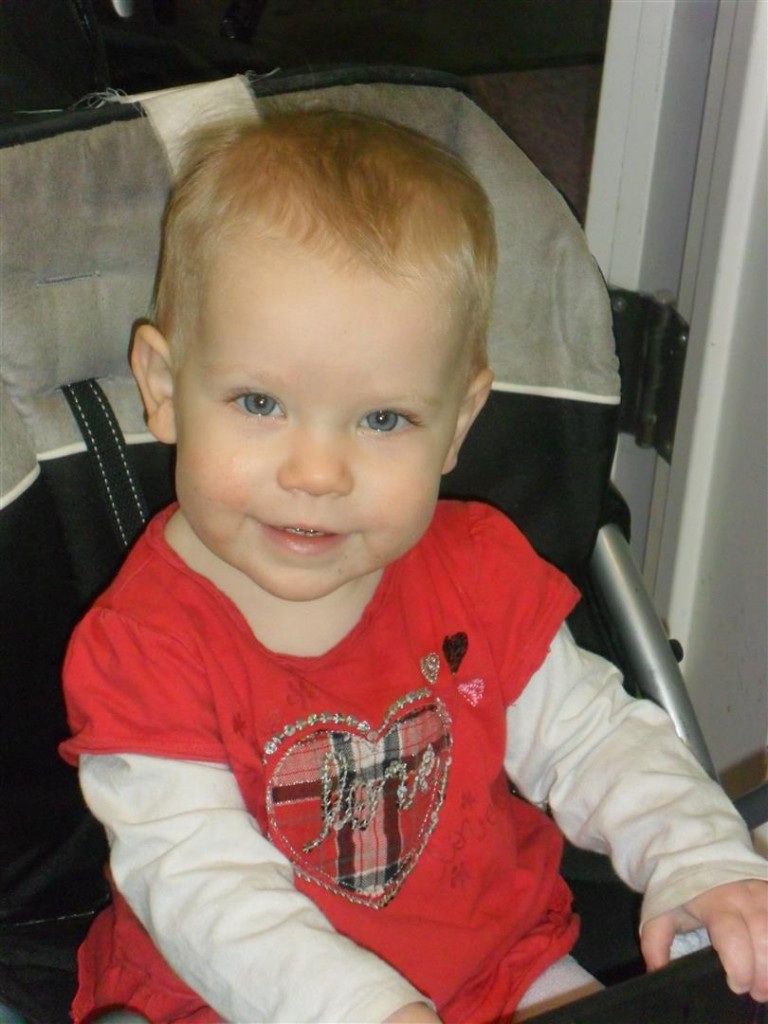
x: 102, y: 470
x: 119, y: 441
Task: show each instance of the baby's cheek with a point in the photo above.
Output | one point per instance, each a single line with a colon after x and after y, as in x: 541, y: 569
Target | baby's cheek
x: 217, y: 470
x: 210, y: 487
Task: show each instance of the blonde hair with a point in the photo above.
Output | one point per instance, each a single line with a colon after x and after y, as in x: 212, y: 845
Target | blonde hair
x: 339, y: 184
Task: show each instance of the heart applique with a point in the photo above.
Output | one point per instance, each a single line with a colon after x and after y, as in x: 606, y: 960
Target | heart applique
x: 454, y: 649
x: 354, y: 811
x: 472, y: 691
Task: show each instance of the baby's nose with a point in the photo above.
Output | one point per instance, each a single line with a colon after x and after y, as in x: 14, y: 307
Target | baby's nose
x: 317, y: 465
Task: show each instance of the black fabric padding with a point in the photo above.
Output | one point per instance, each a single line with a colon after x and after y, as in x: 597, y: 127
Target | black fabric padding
x: 94, y: 549
x: 545, y: 462
x: 58, y: 552
x: 292, y: 80
x: 51, y: 853
x: 38, y: 967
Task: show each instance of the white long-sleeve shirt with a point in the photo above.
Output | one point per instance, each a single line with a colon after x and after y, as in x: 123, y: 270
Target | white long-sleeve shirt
x: 219, y: 902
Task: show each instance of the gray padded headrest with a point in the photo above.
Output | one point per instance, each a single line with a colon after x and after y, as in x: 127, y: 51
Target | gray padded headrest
x: 82, y: 227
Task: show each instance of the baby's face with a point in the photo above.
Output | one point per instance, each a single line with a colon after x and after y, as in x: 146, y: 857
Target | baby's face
x: 314, y: 413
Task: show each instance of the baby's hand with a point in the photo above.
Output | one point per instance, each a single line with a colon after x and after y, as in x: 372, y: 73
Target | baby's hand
x: 736, y: 917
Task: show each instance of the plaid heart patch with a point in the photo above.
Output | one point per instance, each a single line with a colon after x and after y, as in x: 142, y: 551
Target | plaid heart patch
x: 354, y: 811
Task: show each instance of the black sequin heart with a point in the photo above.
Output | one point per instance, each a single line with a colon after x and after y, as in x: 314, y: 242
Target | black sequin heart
x: 454, y: 649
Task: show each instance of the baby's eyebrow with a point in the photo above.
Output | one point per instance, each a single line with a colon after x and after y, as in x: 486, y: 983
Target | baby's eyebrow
x: 240, y: 373
x: 401, y: 400
x: 428, y: 401
x: 209, y: 362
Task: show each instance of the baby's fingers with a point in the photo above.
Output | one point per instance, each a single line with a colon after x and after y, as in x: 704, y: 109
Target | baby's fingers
x: 742, y: 944
x: 656, y: 940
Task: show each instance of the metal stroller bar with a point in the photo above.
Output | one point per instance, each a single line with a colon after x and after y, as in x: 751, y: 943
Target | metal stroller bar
x: 614, y: 570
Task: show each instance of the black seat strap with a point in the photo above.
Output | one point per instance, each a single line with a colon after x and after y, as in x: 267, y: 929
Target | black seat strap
x: 119, y: 485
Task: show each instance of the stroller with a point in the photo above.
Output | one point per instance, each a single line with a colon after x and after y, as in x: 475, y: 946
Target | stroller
x: 81, y: 475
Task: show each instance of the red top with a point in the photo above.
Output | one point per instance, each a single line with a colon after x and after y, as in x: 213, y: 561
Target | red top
x: 377, y: 768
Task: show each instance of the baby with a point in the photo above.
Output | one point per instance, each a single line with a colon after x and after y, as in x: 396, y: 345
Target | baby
x: 298, y: 707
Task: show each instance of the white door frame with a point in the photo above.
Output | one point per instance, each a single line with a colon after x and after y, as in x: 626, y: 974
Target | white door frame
x: 651, y: 103
x: 688, y: 213
x: 712, y: 582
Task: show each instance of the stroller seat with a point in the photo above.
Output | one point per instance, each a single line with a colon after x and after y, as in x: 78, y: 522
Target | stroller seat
x: 83, y: 196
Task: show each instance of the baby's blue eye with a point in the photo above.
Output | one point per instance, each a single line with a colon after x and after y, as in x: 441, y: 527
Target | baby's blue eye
x: 383, y: 420
x: 258, y: 405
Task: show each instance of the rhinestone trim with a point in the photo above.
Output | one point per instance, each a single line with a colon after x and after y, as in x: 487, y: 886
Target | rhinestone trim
x: 328, y: 718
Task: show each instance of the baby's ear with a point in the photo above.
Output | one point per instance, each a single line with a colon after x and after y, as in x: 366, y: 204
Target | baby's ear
x: 475, y: 398
x: 152, y: 368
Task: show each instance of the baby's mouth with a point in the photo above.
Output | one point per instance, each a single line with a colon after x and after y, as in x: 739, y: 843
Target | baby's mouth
x: 300, y: 531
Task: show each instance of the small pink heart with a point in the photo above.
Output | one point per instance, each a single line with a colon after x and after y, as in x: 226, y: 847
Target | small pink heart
x: 472, y: 691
